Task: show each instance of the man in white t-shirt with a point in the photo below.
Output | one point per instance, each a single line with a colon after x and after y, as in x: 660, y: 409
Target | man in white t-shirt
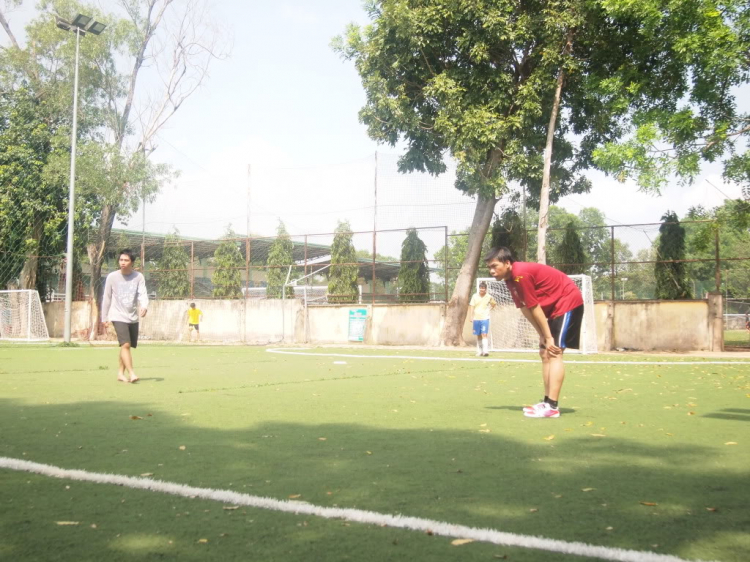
x: 125, y: 300
x: 482, y: 302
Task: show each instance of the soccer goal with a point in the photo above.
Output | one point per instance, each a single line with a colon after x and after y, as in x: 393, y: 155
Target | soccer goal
x: 510, y: 331
x: 21, y: 316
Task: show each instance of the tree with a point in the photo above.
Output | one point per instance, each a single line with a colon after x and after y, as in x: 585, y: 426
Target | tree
x: 569, y: 253
x: 342, y: 276
x: 279, y: 260
x: 703, y: 123
x: 173, y: 265
x: 671, y: 276
x: 508, y: 230
x: 414, y: 273
x: 228, y: 261
x: 728, y: 222
x: 119, y: 118
x: 32, y: 206
x: 485, y: 84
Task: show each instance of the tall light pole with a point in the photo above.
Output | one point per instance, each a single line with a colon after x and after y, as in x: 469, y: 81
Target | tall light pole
x: 80, y: 26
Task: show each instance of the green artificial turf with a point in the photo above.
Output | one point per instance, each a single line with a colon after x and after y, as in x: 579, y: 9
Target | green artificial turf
x: 740, y: 338
x: 644, y: 457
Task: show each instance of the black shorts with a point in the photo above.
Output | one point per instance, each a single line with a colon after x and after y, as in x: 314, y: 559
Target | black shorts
x: 566, y: 329
x: 126, y: 333
x: 197, y: 328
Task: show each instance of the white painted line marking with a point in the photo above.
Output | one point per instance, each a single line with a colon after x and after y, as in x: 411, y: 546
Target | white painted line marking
x: 355, y: 515
x: 292, y: 351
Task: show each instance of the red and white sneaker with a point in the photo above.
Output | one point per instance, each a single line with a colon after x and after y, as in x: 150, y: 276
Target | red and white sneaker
x: 535, y: 407
x: 546, y: 411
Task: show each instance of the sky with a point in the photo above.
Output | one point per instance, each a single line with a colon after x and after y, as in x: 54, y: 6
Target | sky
x: 278, y: 120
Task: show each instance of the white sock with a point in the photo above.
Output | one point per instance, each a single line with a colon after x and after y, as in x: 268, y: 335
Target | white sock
x: 484, y: 345
x: 479, y: 344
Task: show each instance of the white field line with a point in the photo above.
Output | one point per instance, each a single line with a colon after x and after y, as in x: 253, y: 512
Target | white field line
x: 355, y: 515
x: 292, y: 351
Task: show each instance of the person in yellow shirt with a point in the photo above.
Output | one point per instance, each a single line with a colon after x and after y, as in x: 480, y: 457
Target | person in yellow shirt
x: 194, y: 319
x: 482, y: 303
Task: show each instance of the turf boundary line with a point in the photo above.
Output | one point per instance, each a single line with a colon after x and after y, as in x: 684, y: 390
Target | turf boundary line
x: 348, y: 514
x: 293, y: 351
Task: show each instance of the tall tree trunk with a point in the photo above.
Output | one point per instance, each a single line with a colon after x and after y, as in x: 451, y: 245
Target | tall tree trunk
x: 541, y: 253
x: 455, y: 312
x: 31, y: 265
x: 96, y: 251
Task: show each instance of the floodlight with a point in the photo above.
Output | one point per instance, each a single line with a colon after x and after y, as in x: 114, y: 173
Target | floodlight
x: 81, y: 21
x: 95, y: 27
x: 62, y: 24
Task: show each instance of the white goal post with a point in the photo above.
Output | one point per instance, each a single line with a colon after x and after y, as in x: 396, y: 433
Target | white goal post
x: 21, y: 316
x: 510, y: 331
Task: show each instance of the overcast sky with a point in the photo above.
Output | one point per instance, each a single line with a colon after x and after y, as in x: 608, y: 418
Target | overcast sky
x: 285, y: 104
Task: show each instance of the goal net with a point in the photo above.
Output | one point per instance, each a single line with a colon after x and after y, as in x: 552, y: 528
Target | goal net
x: 510, y: 331
x: 21, y: 316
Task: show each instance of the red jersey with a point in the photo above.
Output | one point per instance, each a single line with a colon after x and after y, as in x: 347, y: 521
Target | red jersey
x: 535, y: 283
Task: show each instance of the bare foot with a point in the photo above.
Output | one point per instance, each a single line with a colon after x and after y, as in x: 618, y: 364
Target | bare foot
x: 121, y: 377
x: 134, y: 378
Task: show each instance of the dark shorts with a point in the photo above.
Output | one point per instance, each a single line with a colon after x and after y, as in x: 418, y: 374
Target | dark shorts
x: 126, y: 333
x: 566, y: 329
x: 197, y: 328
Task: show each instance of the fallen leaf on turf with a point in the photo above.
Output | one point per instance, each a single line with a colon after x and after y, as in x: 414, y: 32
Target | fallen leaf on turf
x: 136, y: 418
x: 203, y: 541
x: 588, y: 423
x: 648, y: 503
x: 368, y: 452
x: 231, y: 507
x: 484, y: 431
x: 147, y: 474
x: 295, y: 496
x: 67, y: 522
x: 691, y: 413
x: 533, y: 510
x: 712, y: 509
x: 549, y: 438
x: 322, y: 438
x: 730, y: 443
x: 483, y: 425
x: 459, y: 542
x: 588, y: 489
x: 598, y: 435
x: 93, y: 525
x: 182, y: 447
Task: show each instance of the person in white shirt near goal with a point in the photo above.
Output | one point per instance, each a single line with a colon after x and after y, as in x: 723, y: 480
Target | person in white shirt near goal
x: 124, y: 290
x: 482, y: 302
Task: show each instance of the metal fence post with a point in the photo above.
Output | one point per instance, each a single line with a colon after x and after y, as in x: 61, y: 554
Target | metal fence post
x: 612, y: 263
x: 717, y: 272
x: 192, y: 270
x: 445, y: 264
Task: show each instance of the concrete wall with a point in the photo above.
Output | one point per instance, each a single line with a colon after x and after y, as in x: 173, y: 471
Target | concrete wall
x: 408, y: 324
x: 635, y: 325
x: 692, y: 325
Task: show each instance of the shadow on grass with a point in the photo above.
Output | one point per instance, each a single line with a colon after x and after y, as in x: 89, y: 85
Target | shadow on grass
x: 733, y: 414
x: 572, y: 490
x: 518, y: 409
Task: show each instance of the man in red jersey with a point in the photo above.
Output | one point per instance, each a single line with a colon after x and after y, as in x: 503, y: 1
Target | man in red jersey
x: 553, y: 305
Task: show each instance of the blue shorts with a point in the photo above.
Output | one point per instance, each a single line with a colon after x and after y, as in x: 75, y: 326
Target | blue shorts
x: 481, y: 327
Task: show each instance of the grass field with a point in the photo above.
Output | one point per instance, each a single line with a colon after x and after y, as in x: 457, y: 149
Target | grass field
x: 739, y: 338
x: 645, y: 457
